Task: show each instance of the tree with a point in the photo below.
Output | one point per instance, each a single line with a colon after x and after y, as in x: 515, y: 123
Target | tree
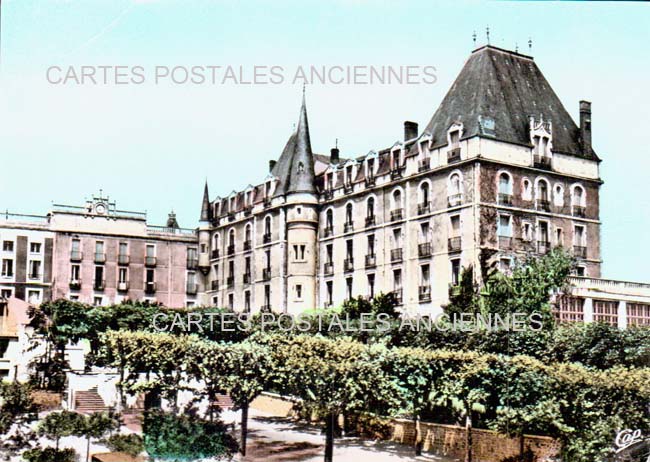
x: 95, y: 426
x: 50, y: 455
x: 168, y: 436
x: 131, y: 444
x: 60, y: 424
x: 16, y: 412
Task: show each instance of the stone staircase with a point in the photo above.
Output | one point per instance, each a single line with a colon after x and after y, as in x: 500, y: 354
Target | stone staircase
x: 89, y: 401
x: 224, y: 402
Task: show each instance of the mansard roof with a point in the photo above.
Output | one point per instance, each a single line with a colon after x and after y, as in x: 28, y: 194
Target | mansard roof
x: 504, y: 89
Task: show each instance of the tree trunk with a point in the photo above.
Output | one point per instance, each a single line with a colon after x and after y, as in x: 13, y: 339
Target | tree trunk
x: 244, y: 427
x: 468, y: 435
x: 417, y: 445
x: 522, y: 456
x: 329, y: 437
x: 88, y: 450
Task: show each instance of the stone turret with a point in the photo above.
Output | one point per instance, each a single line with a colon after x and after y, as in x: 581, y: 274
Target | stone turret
x: 204, y: 232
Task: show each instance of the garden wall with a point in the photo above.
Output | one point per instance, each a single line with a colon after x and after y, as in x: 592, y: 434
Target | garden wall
x: 448, y: 440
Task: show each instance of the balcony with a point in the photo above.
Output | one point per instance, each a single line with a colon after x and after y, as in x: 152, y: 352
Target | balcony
x: 397, y: 172
x: 247, y: 278
x: 230, y: 250
x: 266, y: 202
x: 100, y: 257
x: 580, y: 251
x: 454, y: 200
x: 505, y: 242
x: 123, y: 259
x: 424, y: 293
x: 214, y: 284
x: 371, y: 221
x: 454, y: 244
x: 424, y: 165
x: 248, y: 210
x: 214, y: 254
x: 348, y: 227
x: 34, y: 276
x: 265, y: 308
x: 579, y: 211
x: 424, y: 250
x: 328, y: 269
x: 122, y: 286
x: 230, y: 282
x: 396, y: 255
x: 370, y: 181
x: 348, y: 264
x: 371, y: 260
x: 76, y: 255
x: 453, y: 155
x: 543, y: 247
x: 328, y: 193
x: 75, y: 284
x: 397, y: 294
x: 150, y: 261
x: 424, y: 207
x: 543, y: 205
x: 397, y: 214
x: 149, y: 287
x: 247, y: 245
x: 266, y: 238
x: 266, y: 274
x: 328, y: 231
x: 192, y: 263
x: 191, y: 288
x: 542, y: 162
x: 99, y: 284
x: 347, y: 188
x: 505, y: 199
x: 231, y: 216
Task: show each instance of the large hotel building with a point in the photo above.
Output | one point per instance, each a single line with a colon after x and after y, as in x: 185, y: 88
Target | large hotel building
x: 500, y: 172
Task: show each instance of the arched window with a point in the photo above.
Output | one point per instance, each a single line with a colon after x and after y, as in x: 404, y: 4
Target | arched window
x: 424, y: 205
x: 505, y: 184
x: 247, y: 233
x: 526, y: 190
x: 215, y: 245
x: 578, y: 201
x: 543, y: 195
x: 370, y: 207
x: 267, y: 229
x: 329, y: 221
x: 558, y: 195
x: 349, y: 215
x: 231, y: 242
x: 455, y: 189
x: 397, y: 199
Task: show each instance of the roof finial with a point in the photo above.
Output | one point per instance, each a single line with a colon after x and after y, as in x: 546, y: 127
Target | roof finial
x: 530, y: 44
x: 474, y: 38
x: 516, y: 47
x: 336, y: 143
x: 487, y: 33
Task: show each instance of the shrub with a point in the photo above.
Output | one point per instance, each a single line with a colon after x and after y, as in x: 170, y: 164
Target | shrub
x: 50, y: 455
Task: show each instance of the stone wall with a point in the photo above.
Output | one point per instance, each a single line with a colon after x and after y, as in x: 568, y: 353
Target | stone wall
x: 448, y: 440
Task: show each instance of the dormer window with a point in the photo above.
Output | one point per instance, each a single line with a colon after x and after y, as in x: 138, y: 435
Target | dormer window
x: 541, y: 138
x: 329, y: 181
x: 396, y: 160
x: 454, y: 139
x: 454, y: 134
x: 348, y: 175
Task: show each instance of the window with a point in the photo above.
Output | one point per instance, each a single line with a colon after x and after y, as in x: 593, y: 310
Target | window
x: 579, y: 236
x: 349, y: 249
x: 267, y: 226
x: 99, y: 249
x: 150, y: 276
x: 75, y: 273
x: 454, y: 139
x: 298, y: 291
x: 75, y: 248
x: 34, y: 269
x: 424, y: 193
x: 638, y: 314
x: 329, y: 181
x: 215, y: 300
x: 330, y: 295
x: 505, y: 184
x: 268, y: 259
x: 527, y: 232
x: 349, y: 214
x: 542, y: 191
x: 397, y: 238
x: 301, y: 167
x: 348, y: 175
x: 231, y: 238
x: 231, y: 301
x: 99, y: 275
x: 35, y: 247
x: 34, y: 296
x: 247, y: 233
x: 526, y: 190
x: 267, y: 296
x: 578, y: 196
x: 397, y: 200
x: 570, y: 309
x: 97, y: 301
x: 370, y: 207
x: 329, y: 220
x: 454, y: 189
x: 247, y: 301
x: 348, y: 288
x: 329, y: 251
x: 542, y: 235
x: 425, y: 232
x: 455, y: 271
x: 606, y: 311
x: 8, y: 246
x: 5, y: 293
x: 150, y: 251
x: 122, y: 275
x: 559, y: 237
x: 370, y: 165
x: 371, y: 285
x: 395, y: 160
x: 124, y: 249
x: 371, y: 244
x: 247, y: 266
x: 397, y: 279
x: 558, y: 195
x: 299, y: 252
x: 505, y: 226
x: 454, y: 223
x: 425, y: 275
x: 580, y: 271
x: 215, y: 242
x: 74, y: 298
x: 7, y: 268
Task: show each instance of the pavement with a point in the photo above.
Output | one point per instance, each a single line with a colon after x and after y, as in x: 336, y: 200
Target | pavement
x: 275, y: 439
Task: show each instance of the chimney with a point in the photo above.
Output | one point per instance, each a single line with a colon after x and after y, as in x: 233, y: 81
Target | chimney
x: 410, y: 130
x: 585, y: 126
x: 334, y: 155
x: 272, y: 165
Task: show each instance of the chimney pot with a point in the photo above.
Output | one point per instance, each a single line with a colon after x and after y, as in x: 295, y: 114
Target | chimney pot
x: 272, y: 165
x: 334, y: 155
x: 410, y: 130
x: 585, y: 126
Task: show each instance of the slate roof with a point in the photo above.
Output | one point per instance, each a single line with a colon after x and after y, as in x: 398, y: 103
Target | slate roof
x: 205, y: 205
x: 295, y: 167
x: 508, y: 88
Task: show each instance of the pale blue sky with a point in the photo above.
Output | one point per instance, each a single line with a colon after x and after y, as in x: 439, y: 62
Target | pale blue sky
x: 151, y: 147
